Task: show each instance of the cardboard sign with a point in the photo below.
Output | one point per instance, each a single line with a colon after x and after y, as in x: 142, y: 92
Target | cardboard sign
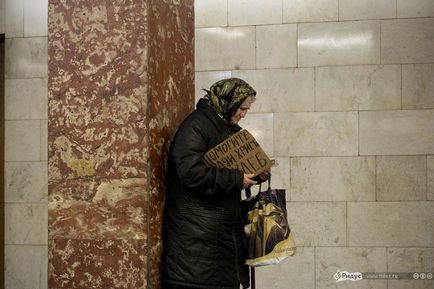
x: 240, y: 151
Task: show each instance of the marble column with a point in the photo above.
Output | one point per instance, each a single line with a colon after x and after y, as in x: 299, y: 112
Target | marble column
x: 120, y: 79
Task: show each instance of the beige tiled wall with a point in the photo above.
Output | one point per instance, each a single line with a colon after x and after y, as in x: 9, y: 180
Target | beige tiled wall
x: 309, y: 10
x: 407, y: 40
x: 26, y: 230
x: 338, y: 43
x: 330, y: 259
x: 417, y: 86
x: 410, y: 259
x: 346, y: 105
x: 232, y: 48
x: 364, y: 87
x: 2, y: 16
x: 275, y: 84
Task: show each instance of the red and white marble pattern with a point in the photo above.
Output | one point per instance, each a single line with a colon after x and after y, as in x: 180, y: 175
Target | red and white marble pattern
x: 171, y: 83
x: 97, y: 264
x: 120, y: 81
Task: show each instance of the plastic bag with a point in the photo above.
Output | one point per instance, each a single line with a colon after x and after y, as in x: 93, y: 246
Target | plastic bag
x: 267, y: 233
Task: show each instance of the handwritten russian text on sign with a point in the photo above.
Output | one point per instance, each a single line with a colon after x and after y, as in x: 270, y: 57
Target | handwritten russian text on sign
x: 239, y: 151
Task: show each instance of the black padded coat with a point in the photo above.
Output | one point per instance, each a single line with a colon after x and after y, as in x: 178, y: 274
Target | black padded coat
x: 203, y: 242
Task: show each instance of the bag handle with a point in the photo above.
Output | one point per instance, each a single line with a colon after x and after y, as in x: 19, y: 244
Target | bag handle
x: 248, y: 190
x: 269, y: 184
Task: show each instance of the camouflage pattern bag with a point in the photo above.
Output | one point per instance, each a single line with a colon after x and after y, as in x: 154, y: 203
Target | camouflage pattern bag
x: 267, y: 233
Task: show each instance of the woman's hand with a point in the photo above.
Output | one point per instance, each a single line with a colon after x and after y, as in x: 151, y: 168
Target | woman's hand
x: 264, y: 176
x: 247, y: 182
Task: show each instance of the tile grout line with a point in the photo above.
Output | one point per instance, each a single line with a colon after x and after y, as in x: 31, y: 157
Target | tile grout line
x: 426, y: 178
x: 346, y: 225
x: 314, y: 89
x: 401, y: 88
x: 314, y: 267
x: 387, y: 266
x: 375, y: 183
x: 381, y: 32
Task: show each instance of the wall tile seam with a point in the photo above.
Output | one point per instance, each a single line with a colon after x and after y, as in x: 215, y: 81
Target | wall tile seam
x: 213, y: 26
x: 376, y: 178
x: 43, y: 201
x: 256, y: 47
x: 363, y: 202
x: 272, y: 24
x: 392, y: 202
x: 32, y: 161
x: 369, y: 247
x: 401, y: 86
x: 339, y: 19
x: 314, y: 264
x: 307, y: 67
x: 227, y: 13
x: 314, y: 86
x: 380, y: 47
x: 27, y: 203
x: 22, y: 4
x: 32, y: 77
x: 404, y: 109
x: 347, y: 231
x: 328, y: 156
x: 379, y: 65
x: 350, y: 20
x: 339, y: 111
x: 281, y: 10
x: 355, y: 65
x: 24, y: 78
x: 24, y: 37
x: 254, y: 24
x: 337, y: 156
x: 21, y: 20
x: 408, y: 18
x: 427, y: 193
x: 347, y: 156
x: 235, y: 26
x: 296, y: 45
x: 290, y: 180
x: 34, y: 36
x: 26, y: 119
x: 315, y: 156
x: 358, y: 133
x: 365, y: 64
x: 282, y: 23
x: 387, y: 261
x: 322, y: 202
x: 27, y: 245
x: 40, y: 246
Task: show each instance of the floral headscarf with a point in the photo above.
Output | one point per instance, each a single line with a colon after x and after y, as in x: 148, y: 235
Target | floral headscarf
x: 225, y: 96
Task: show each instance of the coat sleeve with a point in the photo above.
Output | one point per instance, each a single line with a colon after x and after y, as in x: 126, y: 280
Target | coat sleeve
x: 188, y: 149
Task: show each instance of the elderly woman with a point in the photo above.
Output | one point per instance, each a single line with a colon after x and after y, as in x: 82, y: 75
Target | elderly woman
x: 203, y: 242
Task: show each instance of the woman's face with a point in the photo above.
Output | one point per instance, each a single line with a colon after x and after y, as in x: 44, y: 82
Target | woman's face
x: 242, y: 110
